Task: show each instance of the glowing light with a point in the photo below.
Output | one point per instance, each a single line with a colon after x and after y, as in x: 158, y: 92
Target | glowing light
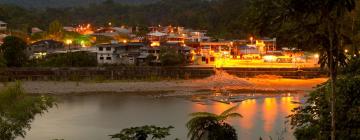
x: 68, y: 41
x: 269, y: 109
x: 82, y: 43
x: 110, y: 23
x: 125, y: 41
x: 316, y: 55
x: 270, y: 58
x: 155, y: 44
x: 346, y: 51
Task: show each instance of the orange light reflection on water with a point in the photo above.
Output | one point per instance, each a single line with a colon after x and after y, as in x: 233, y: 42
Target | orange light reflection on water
x: 247, y: 108
x: 286, y: 104
x: 269, y: 113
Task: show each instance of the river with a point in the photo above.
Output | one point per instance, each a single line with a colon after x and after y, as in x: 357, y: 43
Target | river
x: 95, y: 116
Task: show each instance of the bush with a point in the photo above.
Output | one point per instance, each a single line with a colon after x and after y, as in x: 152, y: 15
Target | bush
x: 14, y: 51
x: 170, y: 57
x: 74, y: 59
x: 312, y: 120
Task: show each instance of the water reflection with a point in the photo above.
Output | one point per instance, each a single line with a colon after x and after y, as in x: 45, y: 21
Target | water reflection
x: 94, y: 117
x: 269, y: 113
x: 248, y: 107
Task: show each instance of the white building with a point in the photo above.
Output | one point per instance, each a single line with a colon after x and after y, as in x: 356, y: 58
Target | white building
x: 3, y: 25
x: 197, y: 36
x: 106, y: 53
x: 124, y: 53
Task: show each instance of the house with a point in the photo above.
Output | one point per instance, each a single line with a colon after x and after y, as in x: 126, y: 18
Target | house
x: 45, y: 47
x: 209, y: 51
x: 197, y: 36
x: 3, y: 26
x: 2, y: 36
x: 146, y: 52
x: 118, y: 53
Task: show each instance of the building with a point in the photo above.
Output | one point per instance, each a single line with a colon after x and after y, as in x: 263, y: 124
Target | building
x: 197, y: 36
x: 118, y: 53
x: 45, y: 47
x: 3, y: 26
x: 2, y: 36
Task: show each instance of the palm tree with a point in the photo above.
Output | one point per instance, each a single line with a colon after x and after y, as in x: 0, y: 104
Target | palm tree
x: 205, y: 125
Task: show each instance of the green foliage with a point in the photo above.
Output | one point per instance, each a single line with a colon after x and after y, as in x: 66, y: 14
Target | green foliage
x: 73, y: 59
x: 17, y: 111
x: 312, y: 120
x: 353, y: 67
x: 2, y: 61
x: 170, y: 57
x: 14, y: 51
x: 306, y: 24
x: 55, y: 30
x: 224, y: 18
x: 143, y: 132
x: 212, y: 126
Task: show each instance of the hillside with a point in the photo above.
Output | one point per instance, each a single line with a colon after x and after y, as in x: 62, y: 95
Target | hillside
x: 66, y: 3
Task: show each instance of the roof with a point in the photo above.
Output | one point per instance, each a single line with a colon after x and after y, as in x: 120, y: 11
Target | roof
x: 2, y: 22
x: 157, y: 33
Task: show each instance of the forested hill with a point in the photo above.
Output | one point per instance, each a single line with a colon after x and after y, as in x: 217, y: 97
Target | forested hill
x: 223, y: 18
x: 67, y: 3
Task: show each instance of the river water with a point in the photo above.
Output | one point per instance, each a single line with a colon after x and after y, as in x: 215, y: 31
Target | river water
x: 94, y: 117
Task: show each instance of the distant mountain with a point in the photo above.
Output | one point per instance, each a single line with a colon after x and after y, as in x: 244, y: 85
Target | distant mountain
x: 66, y: 3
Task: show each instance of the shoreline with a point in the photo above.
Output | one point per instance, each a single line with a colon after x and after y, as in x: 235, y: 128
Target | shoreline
x: 173, y: 87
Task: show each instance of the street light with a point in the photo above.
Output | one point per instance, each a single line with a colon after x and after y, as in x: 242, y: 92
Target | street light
x: 68, y: 42
x: 316, y: 55
x: 251, y: 39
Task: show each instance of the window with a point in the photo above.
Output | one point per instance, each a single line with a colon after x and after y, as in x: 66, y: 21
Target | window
x: 101, y: 58
x: 108, y: 58
x: 108, y: 48
x: 203, y: 59
x: 101, y: 48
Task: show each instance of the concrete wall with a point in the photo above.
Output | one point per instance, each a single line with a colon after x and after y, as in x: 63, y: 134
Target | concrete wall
x: 146, y: 73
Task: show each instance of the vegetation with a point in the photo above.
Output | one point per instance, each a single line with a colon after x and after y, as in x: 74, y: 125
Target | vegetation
x: 13, y: 51
x: 204, y: 125
x: 309, y: 24
x: 312, y: 120
x: 142, y: 133
x: 222, y: 18
x: 18, y: 110
x: 171, y: 57
x: 71, y: 59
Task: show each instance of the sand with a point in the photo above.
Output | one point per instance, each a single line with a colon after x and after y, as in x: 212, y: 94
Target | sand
x: 183, y: 87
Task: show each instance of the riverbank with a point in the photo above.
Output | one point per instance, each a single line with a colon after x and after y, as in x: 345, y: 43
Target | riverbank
x: 176, y: 87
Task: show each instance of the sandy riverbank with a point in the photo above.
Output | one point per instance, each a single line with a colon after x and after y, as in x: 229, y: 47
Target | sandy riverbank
x: 223, y: 81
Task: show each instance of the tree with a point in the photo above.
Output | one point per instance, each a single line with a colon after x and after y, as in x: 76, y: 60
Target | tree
x: 312, y: 120
x: 170, y: 57
x: 142, y: 133
x: 14, y: 51
x: 315, y: 24
x: 56, y: 30
x: 71, y: 59
x: 205, y: 125
x: 17, y: 111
